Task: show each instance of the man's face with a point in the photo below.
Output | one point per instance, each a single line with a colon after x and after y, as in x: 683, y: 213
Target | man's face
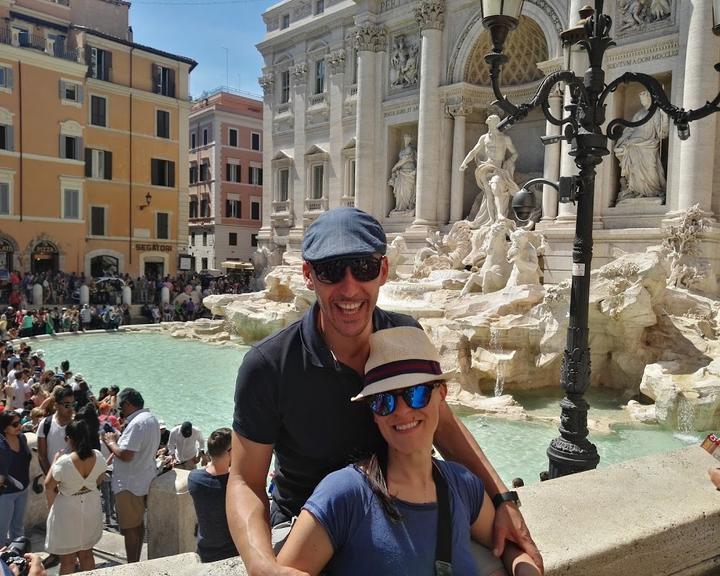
x: 346, y: 307
x: 65, y: 407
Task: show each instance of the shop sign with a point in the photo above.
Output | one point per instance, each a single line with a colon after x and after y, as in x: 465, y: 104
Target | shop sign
x: 154, y: 247
x: 45, y: 248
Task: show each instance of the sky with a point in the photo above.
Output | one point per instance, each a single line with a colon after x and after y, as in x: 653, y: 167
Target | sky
x: 220, y: 35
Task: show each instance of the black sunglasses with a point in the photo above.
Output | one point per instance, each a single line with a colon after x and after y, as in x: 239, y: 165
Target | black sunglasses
x: 363, y: 269
x: 415, y: 397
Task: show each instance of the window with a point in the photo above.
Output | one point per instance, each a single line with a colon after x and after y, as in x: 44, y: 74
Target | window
x: 193, y: 211
x: 318, y: 172
x: 285, y: 86
x: 97, y: 221
x: 255, y: 141
x: 70, y: 147
x: 164, y: 80
x: 193, y: 172
x: 233, y: 137
x: 354, y: 66
x: 204, y: 208
x: 162, y: 223
x: 6, y: 137
x: 21, y: 36
x: 71, y: 204
x: 233, y: 208
x: 320, y: 76
x: 285, y: 21
x: 98, y: 111
x: 351, y: 179
x: 204, y: 262
x: 205, y: 170
x: 255, y: 210
x: 6, y: 77
x: 204, y: 244
x: 232, y: 238
x: 319, y: 6
x: 193, y: 140
x: 99, y: 63
x: 284, y: 184
x: 71, y: 92
x: 163, y: 124
x: 232, y: 172
x: 162, y: 172
x: 4, y: 198
x: 192, y: 239
x: 205, y: 136
x: 255, y: 175
x: 98, y: 164
x: 253, y: 240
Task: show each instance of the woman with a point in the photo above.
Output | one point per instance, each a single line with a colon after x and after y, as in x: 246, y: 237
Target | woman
x: 74, y: 524
x: 400, y: 511
x: 14, y: 476
x: 402, y: 177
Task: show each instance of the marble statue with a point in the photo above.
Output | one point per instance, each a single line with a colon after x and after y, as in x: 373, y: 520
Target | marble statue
x: 495, y: 271
x: 495, y: 157
x: 524, y: 259
x: 402, y: 177
x: 638, y: 151
x: 403, y: 63
x: 395, y: 256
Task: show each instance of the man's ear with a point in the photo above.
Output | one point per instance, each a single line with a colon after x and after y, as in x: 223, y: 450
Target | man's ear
x: 307, y: 274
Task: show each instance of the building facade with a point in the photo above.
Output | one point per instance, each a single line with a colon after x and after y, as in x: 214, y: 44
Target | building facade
x: 347, y: 85
x: 92, y: 127
x: 226, y: 178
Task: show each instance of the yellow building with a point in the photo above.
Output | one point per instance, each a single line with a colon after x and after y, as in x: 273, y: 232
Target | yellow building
x: 93, y: 136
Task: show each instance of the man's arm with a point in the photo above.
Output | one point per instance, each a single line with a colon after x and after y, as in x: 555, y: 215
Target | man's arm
x: 111, y: 439
x: 248, y: 507
x: 42, y: 452
x: 455, y: 443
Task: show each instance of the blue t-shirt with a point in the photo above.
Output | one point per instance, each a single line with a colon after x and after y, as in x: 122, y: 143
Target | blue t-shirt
x: 367, y: 541
x: 208, y: 494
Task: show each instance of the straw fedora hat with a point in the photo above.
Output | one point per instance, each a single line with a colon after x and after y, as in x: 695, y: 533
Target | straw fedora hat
x: 399, y: 358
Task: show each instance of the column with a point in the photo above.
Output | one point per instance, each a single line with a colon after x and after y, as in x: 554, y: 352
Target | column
x: 697, y: 154
x: 298, y: 77
x: 551, y: 167
x: 267, y: 82
x: 457, y: 180
x: 368, y: 40
x: 443, y: 196
x: 430, y: 15
x: 335, y: 64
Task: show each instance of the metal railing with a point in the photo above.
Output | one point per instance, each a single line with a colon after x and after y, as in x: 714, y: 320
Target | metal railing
x: 38, y: 42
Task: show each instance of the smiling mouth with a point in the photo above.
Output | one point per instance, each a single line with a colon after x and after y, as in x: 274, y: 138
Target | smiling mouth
x: 408, y: 426
x: 349, y: 307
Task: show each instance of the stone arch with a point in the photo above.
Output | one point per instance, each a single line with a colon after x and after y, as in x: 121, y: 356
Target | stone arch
x: 526, y: 46
x: 551, y: 23
x: 104, y: 252
x: 10, y: 240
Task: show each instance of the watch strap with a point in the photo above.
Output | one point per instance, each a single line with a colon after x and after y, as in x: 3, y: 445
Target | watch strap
x: 502, y: 497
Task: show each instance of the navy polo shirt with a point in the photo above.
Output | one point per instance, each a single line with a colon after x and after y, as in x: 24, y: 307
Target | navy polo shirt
x: 290, y: 392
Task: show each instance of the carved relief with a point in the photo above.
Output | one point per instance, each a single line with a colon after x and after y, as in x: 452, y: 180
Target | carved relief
x: 641, y: 15
x: 369, y: 38
x: 336, y: 61
x: 404, y: 66
x: 460, y: 108
x: 267, y: 83
x: 299, y: 73
x: 430, y: 14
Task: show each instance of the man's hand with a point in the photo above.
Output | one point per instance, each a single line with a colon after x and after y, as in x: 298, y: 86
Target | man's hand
x: 110, y: 437
x: 510, y: 525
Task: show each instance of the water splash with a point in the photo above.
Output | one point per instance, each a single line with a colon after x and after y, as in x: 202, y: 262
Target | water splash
x: 685, y: 415
x: 496, y: 348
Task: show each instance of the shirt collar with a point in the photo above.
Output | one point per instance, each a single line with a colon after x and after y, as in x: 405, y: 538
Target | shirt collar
x: 132, y: 416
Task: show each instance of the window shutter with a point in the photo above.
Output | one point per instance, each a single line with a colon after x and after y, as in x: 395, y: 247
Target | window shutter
x: 88, y: 162
x: 9, y: 78
x: 78, y: 148
x: 259, y: 176
x: 9, y: 137
x: 157, y: 75
x: 228, y: 208
x: 239, y: 172
x: 61, y: 92
x: 154, y: 171
x: 108, y: 64
x: 79, y: 93
x: 108, y: 165
x: 171, y: 174
x: 171, y: 83
x: 62, y: 146
x: 228, y: 173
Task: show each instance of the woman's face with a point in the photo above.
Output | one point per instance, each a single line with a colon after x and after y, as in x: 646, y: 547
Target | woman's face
x: 13, y: 429
x: 409, y: 430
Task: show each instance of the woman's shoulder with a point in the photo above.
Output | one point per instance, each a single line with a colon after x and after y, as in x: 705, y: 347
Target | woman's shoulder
x: 457, y: 474
x: 348, y: 482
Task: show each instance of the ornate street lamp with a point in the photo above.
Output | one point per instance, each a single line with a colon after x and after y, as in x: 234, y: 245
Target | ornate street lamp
x: 582, y: 128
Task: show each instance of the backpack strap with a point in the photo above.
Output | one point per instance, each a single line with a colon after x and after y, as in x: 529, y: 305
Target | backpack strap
x: 47, y: 422
x: 443, y: 546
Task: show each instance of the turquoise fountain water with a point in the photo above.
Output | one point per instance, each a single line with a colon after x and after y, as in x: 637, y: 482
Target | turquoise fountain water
x: 188, y: 380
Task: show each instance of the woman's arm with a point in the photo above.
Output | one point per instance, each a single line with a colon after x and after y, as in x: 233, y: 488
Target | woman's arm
x: 50, y: 488
x: 481, y: 529
x: 308, y: 548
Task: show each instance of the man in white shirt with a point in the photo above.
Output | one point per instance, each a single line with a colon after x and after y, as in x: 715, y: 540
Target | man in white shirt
x: 134, y: 467
x: 20, y: 388
x: 51, y: 437
x: 186, y: 446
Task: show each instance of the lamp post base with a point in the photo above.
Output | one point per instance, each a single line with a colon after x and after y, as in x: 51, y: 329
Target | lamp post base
x: 572, y: 452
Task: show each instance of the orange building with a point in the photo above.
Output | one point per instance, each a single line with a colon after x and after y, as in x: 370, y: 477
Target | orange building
x: 93, y: 136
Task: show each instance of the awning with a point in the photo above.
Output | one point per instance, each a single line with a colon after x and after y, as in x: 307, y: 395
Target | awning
x: 237, y: 265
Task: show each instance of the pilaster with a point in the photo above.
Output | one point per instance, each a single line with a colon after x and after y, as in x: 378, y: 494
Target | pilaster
x: 457, y: 180
x: 336, y: 67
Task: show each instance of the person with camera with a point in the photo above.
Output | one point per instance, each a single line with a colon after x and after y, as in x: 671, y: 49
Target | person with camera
x: 74, y: 523
x: 14, y: 476
x: 16, y: 560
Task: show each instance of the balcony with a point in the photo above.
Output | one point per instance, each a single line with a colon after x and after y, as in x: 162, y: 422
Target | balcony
x: 281, y: 207
x: 282, y: 213
x: 316, y: 204
x: 317, y: 99
x: 38, y: 42
x: 347, y: 201
x: 283, y: 108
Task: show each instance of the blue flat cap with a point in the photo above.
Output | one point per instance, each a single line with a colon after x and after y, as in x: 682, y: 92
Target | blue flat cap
x: 343, y: 232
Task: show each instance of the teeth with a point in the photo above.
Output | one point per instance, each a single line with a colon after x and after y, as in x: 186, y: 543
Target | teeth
x: 407, y: 426
x: 349, y: 307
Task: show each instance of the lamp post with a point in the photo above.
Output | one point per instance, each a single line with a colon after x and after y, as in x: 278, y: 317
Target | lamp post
x: 582, y: 127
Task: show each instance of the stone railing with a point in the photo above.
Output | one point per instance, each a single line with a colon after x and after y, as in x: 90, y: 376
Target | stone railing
x: 317, y: 99
x: 347, y: 201
x: 316, y: 204
x: 280, y: 206
x: 283, y: 108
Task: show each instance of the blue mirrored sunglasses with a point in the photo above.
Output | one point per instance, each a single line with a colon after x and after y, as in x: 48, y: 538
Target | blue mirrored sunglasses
x: 415, y: 397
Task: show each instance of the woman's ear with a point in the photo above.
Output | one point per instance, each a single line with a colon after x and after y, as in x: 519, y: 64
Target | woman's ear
x: 443, y: 390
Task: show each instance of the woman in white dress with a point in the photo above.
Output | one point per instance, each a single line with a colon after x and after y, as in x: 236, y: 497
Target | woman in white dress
x: 74, y: 524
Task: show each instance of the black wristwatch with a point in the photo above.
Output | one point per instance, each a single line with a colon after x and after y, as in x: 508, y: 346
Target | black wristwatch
x: 499, y: 499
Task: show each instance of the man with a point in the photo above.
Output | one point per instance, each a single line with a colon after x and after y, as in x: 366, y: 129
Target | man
x: 186, y: 446
x: 293, y: 389
x: 134, y: 467
x: 21, y: 389
x: 207, y: 487
x: 51, y: 431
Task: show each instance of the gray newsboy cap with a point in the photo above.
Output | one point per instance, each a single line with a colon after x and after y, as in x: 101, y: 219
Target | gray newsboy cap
x: 343, y: 232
